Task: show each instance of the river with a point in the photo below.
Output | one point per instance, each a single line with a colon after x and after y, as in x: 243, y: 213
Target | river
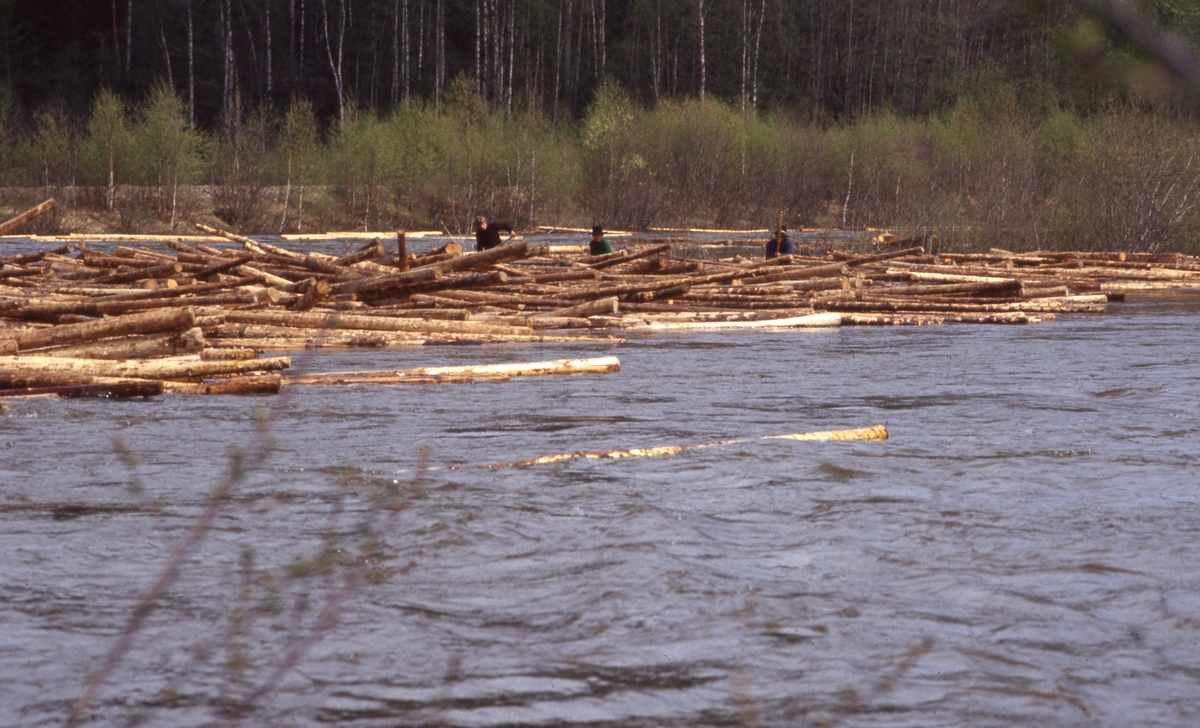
x: 1022, y: 551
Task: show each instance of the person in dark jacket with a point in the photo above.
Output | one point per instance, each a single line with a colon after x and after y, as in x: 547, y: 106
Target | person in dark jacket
x: 599, y: 245
x: 487, y: 234
x: 779, y: 245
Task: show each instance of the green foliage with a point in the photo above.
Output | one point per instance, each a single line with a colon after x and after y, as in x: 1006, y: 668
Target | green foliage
x: 55, y: 143
x: 980, y: 174
x: 107, y: 146
x: 169, y: 155
x: 299, y: 154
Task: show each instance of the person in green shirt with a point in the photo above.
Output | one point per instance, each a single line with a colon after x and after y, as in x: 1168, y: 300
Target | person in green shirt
x: 599, y: 245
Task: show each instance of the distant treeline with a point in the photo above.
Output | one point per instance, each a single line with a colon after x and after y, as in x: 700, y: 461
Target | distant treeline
x: 978, y: 174
x: 812, y: 59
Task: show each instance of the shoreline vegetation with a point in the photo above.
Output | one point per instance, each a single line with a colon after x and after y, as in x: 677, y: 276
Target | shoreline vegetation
x: 978, y: 175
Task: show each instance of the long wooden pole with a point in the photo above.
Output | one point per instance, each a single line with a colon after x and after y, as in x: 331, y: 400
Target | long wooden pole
x: 31, y: 214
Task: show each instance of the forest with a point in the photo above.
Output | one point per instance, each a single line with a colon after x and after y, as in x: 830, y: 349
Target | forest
x: 1022, y: 122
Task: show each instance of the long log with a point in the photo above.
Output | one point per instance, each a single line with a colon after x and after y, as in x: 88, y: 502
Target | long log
x: 600, y: 365
x: 990, y: 288
x: 134, y: 347
x: 183, y: 368
x: 117, y: 389
x: 314, y: 320
x: 164, y: 270
x: 628, y: 257
x: 241, y: 384
x: 818, y: 320
x: 878, y: 432
x: 482, y: 259
x: 1030, y: 306
x: 151, y: 322
x: 304, y: 336
x: 51, y: 311
x: 382, y: 283
x: 591, y: 308
x: 21, y: 379
x: 29, y: 215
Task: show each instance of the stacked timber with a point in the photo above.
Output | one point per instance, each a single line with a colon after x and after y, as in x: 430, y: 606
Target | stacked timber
x: 201, y: 317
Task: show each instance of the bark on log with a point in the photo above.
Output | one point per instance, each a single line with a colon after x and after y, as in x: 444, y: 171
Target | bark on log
x: 228, y: 354
x: 991, y: 289
x: 186, y: 368
x: 632, y: 256
x: 243, y: 384
x: 20, y: 379
x: 134, y: 347
x: 482, y: 259
x: 29, y: 215
x: 145, y: 323
x: 591, y: 308
x: 402, y: 250
x: 315, y: 320
x: 164, y: 270
x: 50, y: 311
x: 382, y: 283
x: 118, y: 389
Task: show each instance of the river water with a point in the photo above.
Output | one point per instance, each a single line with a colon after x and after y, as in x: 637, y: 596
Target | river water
x: 1023, y: 551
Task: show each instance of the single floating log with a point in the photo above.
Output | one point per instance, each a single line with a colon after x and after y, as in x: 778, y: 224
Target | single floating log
x: 599, y: 365
x: 877, y: 432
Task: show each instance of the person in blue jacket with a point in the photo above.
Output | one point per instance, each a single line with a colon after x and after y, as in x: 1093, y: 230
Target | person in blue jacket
x: 779, y: 245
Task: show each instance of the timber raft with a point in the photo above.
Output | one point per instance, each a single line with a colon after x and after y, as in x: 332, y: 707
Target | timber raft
x: 210, y: 318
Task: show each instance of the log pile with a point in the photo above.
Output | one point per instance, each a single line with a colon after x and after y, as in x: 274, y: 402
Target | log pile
x: 197, y: 317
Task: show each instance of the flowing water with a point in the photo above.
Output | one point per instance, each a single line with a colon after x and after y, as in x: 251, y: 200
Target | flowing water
x: 1023, y: 551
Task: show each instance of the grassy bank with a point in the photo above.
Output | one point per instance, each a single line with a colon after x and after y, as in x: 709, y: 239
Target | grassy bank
x: 979, y: 175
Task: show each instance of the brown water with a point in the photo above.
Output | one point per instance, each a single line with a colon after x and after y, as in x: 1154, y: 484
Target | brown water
x: 1023, y: 551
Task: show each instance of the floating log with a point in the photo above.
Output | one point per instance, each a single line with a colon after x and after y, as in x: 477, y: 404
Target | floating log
x: 237, y: 353
x: 819, y: 320
x: 600, y: 365
x: 243, y: 384
x: 29, y: 215
x: 583, y: 310
x: 180, y: 368
x: 315, y: 320
x: 134, y: 347
x: 117, y: 389
x: 144, y: 323
x: 878, y: 432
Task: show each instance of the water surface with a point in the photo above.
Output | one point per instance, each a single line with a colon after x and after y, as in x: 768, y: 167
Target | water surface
x: 1023, y: 550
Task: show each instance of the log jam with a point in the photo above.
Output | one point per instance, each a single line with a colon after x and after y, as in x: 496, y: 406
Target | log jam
x: 197, y: 317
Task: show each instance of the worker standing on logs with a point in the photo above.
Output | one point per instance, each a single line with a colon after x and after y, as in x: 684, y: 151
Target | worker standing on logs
x: 599, y: 246
x: 779, y: 245
x: 487, y: 234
